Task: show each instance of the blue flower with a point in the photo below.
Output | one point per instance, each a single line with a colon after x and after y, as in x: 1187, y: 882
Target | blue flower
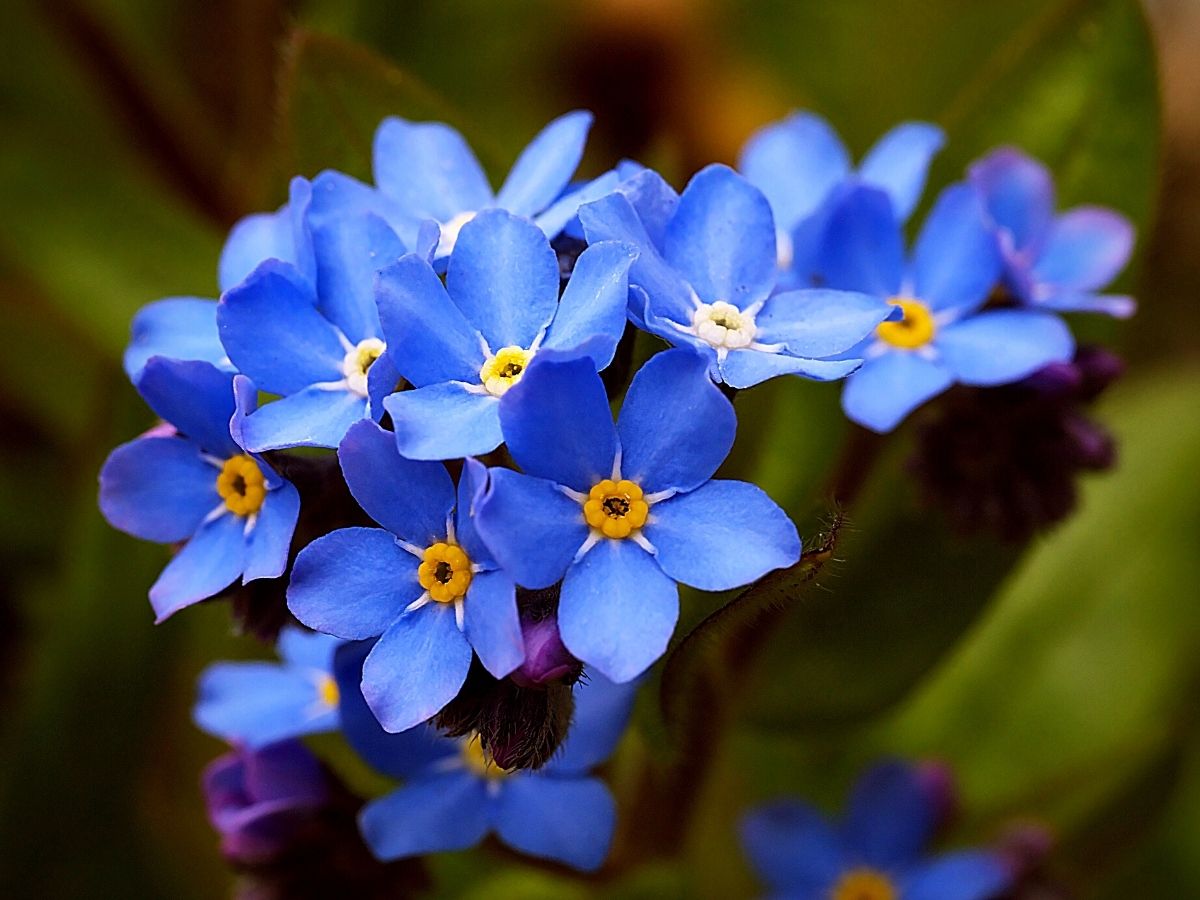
x: 875, y: 853
x: 424, y: 582
x: 704, y: 277
x: 620, y: 515
x: 199, y: 484
x: 799, y: 161
x: 253, y: 704
x: 1052, y: 262
x: 427, y: 172
x: 944, y: 337
x: 453, y: 795
x: 464, y: 344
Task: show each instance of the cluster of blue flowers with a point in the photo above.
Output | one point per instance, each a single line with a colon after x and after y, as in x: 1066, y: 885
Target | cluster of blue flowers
x: 448, y: 342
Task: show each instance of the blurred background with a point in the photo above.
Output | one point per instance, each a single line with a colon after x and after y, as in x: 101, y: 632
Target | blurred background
x: 1059, y: 679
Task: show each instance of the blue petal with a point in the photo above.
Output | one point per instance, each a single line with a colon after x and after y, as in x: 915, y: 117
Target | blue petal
x: 445, y: 421
x: 314, y: 417
x: 602, y: 710
x: 307, y: 649
x: 722, y: 535
x: 1004, y: 345
x: 899, y: 162
x: 428, y: 337
x: 557, y: 423
x: 796, y: 162
x: 432, y: 815
x: 1117, y: 305
x: 279, y: 235
x: 401, y: 755
x: 532, y: 528
x: 352, y: 583
x: 652, y: 199
x: 617, y: 610
x: 207, y: 564
x: 1018, y: 194
x: 545, y: 167
x: 792, y: 848
x: 491, y: 622
x: 274, y: 333
x: 195, y: 397
x: 562, y: 213
x: 158, y: 489
x: 746, y: 368
x: 675, y: 426
x: 416, y: 668
x: 410, y: 499
x: 503, y: 275
x: 428, y: 169
x: 593, y: 304
x: 816, y: 323
x: 891, y: 816
x: 271, y: 539
x: 967, y: 875
x: 568, y: 820
x: 889, y: 387
x: 722, y: 238
x: 1086, y: 248
x: 382, y: 381
x: 862, y: 247
x: 258, y: 703
x: 956, y: 261
x: 177, y: 328
x: 472, y: 483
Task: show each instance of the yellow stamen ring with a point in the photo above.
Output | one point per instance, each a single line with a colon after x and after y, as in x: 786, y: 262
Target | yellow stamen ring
x: 445, y: 572
x: 864, y: 884
x: 328, y: 692
x: 504, y: 370
x: 241, y: 485
x: 916, y: 329
x: 616, y: 508
x: 479, y: 761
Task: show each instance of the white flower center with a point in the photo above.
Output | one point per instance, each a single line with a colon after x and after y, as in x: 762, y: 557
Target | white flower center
x: 722, y: 324
x: 450, y: 232
x: 358, y: 360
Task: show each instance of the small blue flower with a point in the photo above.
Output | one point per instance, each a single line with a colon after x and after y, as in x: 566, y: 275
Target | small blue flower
x: 1056, y: 262
x: 620, y: 515
x: 704, y: 278
x: 462, y: 345
x: 198, y: 483
x: 253, y: 704
x: 944, y: 337
x: 799, y: 161
x: 427, y: 171
x: 453, y: 795
x: 424, y: 581
x: 875, y: 853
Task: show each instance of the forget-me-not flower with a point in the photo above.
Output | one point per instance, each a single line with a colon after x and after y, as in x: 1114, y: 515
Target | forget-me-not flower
x: 704, y: 278
x: 620, y: 514
x: 199, y: 484
x: 1057, y: 262
x: 424, y: 581
x: 464, y: 344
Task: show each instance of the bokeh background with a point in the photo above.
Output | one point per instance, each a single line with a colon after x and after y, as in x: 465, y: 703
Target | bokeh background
x: 1059, y: 679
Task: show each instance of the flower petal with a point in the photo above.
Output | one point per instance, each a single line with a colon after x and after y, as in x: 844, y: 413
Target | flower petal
x: 207, y: 564
x: 158, y: 489
x: 428, y: 169
x: 491, y: 622
x: 1004, y: 345
x: 307, y: 649
x: 176, y: 328
x: 313, y: 417
x: 675, y: 426
x: 617, y: 610
x: 966, y: 875
x: 891, y: 816
x: 792, y: 848
x: 1086, y: 248
x: 280, y: 235
x: 545, y: 167
x: 432, y: 815
x: 569, y: 820
x: 1117, y: 305
x: 1018, y: 194
x: 563, y: 212
x: 352, y: 583
x: 602, y: 710
x: 722, y: 535
x: 889, y: 387
x: 259, y: 703
x: 271, y: 539
x: 746, y: 368
x: 816, y: 323
x: 899, y: 162
x: 416, y: 668
x: 862, y: 247
x: 956, y: 261
x: 593, y: 304
x: 444, y: 421
x: 195, y: 397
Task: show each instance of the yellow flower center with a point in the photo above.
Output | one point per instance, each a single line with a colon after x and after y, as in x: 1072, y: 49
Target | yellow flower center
x: 327, y: 690
x: 504, y: 369
x: 241, y: 485
x: 864, y: 884
x: 445, y: 572
x: 916, y: 329
x: 358, y: 360
x: 615, y: 508
x: 479, y: 761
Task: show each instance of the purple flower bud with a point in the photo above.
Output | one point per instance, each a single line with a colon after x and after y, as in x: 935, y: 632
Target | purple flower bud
x: 547, y: 660
x: 936, y: 780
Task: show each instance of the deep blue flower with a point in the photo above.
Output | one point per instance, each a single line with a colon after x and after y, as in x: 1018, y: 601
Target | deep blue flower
x: 799, y: 161
x: 944, y: 336
x: 453, y: 794
x: 704, y: 278
x: 424, y: 581
x: 199, y: 484
x: 876, y: 853
x: 253, y: 704
x: 1052, y: 261
x: 462, y: 345
x: 620, y: 515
